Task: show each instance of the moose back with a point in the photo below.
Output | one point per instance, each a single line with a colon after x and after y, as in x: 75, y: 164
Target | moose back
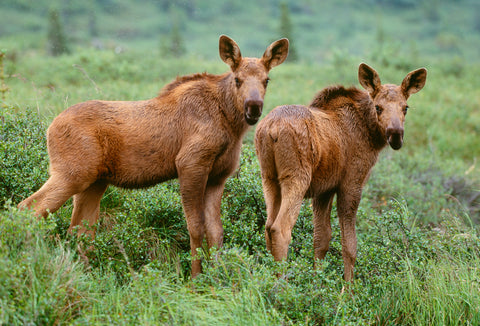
x: 192, y: 131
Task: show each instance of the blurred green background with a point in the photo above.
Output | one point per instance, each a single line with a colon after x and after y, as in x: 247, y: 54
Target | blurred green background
x: 318, y: 29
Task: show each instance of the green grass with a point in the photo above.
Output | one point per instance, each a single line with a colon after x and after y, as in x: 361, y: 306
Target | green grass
x: 439, y: 293
x: 405, y: 275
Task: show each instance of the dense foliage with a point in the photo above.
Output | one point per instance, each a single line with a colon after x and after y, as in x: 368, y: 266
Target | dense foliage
x: 23, y: 154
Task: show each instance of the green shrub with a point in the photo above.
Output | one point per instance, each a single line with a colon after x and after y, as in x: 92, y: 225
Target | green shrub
x: 244, y: 211
x: 243, y: 205
x: 137, y: 228
x: 23, y: 154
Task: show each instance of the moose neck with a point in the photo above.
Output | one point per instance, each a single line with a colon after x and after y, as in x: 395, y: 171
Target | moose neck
x: 231, y: 106
x: 364, y: 117
x: 375, y: 132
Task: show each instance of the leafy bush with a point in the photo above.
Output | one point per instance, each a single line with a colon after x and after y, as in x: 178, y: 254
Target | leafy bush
x: 23, y: 154
x: 239, y: 282
x: 243, y: 205
x: 147, y: 227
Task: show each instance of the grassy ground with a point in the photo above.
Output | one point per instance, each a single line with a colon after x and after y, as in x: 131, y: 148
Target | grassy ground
x: 417, y: 225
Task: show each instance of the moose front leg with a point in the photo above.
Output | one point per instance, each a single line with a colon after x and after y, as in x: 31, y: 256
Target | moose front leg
x: 347, y: 205
x: 213, y: 222
x: 192, y: 177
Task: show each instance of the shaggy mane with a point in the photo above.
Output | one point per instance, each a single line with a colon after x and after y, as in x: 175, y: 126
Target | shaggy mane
x: 326, y: 96
x: 182, y: 80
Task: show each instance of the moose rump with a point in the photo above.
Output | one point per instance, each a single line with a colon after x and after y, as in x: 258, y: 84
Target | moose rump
x: 192, y: 131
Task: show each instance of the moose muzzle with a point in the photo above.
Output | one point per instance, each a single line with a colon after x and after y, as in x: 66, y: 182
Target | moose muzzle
x: 395, y: 137
x: 253, y: 110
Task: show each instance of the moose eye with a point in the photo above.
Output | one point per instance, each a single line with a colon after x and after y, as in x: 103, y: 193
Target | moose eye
x: 405, y: 110
x: 379, y: 109
x: 238, y: 82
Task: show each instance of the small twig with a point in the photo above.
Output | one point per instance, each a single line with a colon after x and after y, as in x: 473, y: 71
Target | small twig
x: 257, y: 205
x: 3, y: 86
x: 97, y: 89
x: 125, y: 256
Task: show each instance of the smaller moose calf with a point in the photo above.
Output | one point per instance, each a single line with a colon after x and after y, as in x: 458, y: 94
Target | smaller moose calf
x: 325, y: 149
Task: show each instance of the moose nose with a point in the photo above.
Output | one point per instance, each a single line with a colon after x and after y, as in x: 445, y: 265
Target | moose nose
x: 253, y: 111
x: 395, y: 137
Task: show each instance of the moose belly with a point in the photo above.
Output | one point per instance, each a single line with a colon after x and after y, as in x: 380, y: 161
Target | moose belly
x: 321, y: 186
x: 140, y: 167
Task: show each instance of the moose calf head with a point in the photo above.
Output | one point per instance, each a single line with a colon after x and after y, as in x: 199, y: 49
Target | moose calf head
x: 250, y: 75
x: 391, y: 100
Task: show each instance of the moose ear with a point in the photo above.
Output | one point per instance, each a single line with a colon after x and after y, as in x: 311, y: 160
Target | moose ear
x: 229, y: 52
x: 276, y: 53
x: 414, y: 81
x: 369, y: 79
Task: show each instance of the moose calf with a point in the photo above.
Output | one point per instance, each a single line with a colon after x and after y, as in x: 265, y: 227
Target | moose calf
x: 192, y: 131
x: 328, y: 149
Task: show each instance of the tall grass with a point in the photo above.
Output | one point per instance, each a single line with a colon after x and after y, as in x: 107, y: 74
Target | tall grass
x: 438, y: 293
x: 41, y: 281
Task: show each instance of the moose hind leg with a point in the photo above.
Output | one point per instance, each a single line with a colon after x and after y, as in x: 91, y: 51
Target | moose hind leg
x: 322, y: 232
x: 86, y: 207
x: 273, y: 200
x: 293, y: 191
x: 51, y: 196
x: 347, y: 205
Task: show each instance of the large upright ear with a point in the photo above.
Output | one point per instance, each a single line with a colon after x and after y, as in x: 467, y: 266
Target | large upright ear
x: 276, y: 53
x: 229, y: 52
x: 414, y: 81
x: 369, y: 79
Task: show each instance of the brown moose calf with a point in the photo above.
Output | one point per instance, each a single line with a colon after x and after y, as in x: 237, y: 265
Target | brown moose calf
x: 325, y: 149
x: 192, y: 131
